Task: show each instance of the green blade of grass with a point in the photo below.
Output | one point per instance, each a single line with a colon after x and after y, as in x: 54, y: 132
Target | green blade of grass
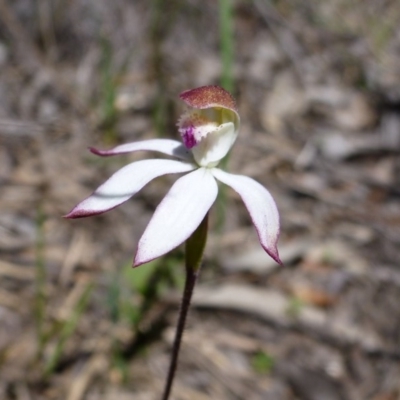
x: 40, y: 281
x: 67, y: 330
x: 227, y: 56
x: 226, y: 43
x: 108, y: 91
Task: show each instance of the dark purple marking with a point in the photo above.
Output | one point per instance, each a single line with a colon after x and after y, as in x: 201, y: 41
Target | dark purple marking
x: 188, y: 137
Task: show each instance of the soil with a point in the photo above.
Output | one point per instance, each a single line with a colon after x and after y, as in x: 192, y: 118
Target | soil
x: 318, y: 89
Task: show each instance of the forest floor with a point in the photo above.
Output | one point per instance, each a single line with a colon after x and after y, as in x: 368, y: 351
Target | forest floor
x: 318, y: 90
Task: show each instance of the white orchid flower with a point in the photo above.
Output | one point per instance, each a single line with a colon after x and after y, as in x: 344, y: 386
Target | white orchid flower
x: 208, y: 130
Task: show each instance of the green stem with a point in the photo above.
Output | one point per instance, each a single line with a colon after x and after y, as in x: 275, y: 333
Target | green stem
x: 40, y: 281
x: 194, y: 253
x: 226, y: 13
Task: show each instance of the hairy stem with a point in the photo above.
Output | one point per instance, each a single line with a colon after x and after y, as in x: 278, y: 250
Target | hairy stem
x: 194, y: 253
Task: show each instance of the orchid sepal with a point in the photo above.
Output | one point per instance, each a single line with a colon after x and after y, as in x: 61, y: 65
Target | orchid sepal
x: 178, y: 215
x: 261, y: 207
x: 124, y: 184
x: 168, y: 147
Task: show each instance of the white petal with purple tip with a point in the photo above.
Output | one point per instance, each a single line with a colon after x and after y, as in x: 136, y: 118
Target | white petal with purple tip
x: 178, y: 215
x: 125, y: 183
x: 166, y: 146
x: 261, y: 207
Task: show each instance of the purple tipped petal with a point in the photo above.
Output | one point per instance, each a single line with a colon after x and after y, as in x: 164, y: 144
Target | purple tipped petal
x: 261, y: 207
x: 124, y: 184
x: 178, y: 215
x: 167, y: 146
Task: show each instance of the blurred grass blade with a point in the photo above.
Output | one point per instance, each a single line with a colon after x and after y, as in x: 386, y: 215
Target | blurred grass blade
x: 68, y: 329
x: 226, y: 43
x: 40, y: 281
x: 227, y: 55
x: 108, y: 91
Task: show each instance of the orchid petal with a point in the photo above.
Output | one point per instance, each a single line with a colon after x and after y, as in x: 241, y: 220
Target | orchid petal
x: 167, y: 146
x: 261, y: 207
x: 216, y: 145
x: 178, y: 215
x: 124, y: 184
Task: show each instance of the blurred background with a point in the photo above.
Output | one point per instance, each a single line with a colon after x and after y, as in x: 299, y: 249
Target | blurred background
x: 318, y: 89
